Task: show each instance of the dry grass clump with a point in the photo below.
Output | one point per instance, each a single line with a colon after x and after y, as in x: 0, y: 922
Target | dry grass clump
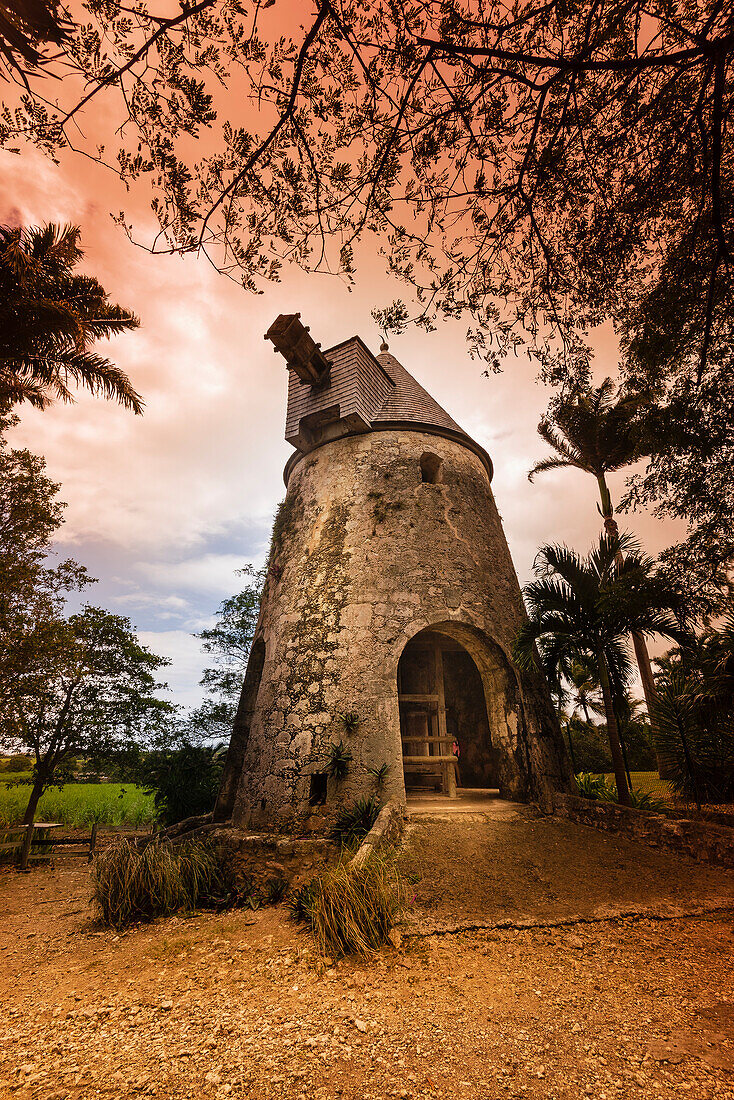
x: 352, y: 911
x: 132, y: 884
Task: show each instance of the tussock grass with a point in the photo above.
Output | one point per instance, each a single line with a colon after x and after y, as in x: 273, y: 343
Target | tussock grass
x: 352, y: 911
x: 132, y: 884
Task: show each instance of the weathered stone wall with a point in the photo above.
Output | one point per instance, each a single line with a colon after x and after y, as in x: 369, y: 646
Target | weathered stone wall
x: 704, y: 841
x: 365, y: 555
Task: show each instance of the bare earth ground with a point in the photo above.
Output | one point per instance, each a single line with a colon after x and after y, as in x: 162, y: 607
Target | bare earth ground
x: 238, y: 1004
x: 508, y: 861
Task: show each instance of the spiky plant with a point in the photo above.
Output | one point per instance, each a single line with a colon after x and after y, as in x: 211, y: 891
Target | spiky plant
x: 301, y: 900
x: 379, y: 775
x: 355, y: 821
x: 338, y: 759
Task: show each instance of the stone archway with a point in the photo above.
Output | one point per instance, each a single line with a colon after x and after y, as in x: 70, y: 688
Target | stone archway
x: 456, y: 685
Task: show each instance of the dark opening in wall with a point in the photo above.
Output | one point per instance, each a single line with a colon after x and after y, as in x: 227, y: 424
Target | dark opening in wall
x: 317, y: 794
x: 431, y: 468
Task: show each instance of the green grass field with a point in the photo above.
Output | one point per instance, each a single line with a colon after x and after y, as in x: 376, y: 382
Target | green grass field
x: 649, y: 783
x: 80, y: 804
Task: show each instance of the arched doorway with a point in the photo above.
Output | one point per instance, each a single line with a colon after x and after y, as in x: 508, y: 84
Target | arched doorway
x: 444, y: 727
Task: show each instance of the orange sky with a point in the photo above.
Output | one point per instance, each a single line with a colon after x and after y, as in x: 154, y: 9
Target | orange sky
x: 164, y: 508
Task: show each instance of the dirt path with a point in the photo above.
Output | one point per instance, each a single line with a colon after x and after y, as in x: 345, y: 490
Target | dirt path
x: 237, y: 1004
x: 508, y: 861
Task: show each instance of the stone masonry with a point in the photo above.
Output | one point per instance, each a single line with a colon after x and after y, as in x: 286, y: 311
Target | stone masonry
x: 366, y: 553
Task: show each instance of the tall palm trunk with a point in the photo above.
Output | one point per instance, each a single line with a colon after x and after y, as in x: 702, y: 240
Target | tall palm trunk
x: 640, y: 646
x: 615, y: 745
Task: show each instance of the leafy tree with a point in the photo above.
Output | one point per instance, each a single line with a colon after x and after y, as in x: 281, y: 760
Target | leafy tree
x: 590, y: 745
x: 535, y: 167
x: 696, y: 714
x: 228, y: 642
x: 98, y: 692
x: 585, y: 607
x: 49, y: 318
x: 32, y: 592
x: 571, y: 162
x: 584, y: 688
x: 688, y: 477
x: 69, y: 685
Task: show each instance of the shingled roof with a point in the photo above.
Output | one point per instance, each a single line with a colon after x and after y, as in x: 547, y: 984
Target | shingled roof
x: 409, y: 401
x: 365, y: 392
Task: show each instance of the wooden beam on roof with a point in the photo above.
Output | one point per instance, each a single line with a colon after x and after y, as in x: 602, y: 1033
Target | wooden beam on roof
x: 301, y: 353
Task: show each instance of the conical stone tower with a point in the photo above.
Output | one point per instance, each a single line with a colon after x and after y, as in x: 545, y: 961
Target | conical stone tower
x: 382, y: 656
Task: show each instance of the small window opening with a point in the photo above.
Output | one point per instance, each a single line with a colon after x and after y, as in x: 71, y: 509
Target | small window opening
x: 317, y: 794
x: 262, y: 803
x: 431, y: 468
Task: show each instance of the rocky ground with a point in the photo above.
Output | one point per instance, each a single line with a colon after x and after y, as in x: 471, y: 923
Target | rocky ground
x: 238, y: 1004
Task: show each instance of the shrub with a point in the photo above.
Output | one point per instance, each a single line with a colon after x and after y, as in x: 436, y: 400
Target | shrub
x: 17, y: 763
x: 132, y: 884
x: 184, y: 781
x: 300, y: 901
x: 352, y: 911
x: 643, y: 800
x: 595, y: 787
x: 275, y: 890
x: 354, y: 822
x: 696, y: 747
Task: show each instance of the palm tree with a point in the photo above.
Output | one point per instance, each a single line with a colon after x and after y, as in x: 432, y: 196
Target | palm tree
x: 584, y: 608
x: 600, y: 432
x: 50, y: 317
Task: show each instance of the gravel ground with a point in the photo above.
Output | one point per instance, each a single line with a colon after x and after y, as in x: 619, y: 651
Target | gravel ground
x: 238, y: 1004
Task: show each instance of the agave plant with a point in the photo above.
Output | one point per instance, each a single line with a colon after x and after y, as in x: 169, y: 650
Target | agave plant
x: 338, y: 760
x: 354, y: 822
x: 379, y: 775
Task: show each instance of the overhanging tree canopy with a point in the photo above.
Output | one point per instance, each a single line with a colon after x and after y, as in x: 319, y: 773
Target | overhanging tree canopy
x: 534, y: 167
x: 538, y: 165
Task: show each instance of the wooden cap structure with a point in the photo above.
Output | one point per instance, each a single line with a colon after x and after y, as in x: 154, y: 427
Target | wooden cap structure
x: 347, y: 390
x: 298, y: 348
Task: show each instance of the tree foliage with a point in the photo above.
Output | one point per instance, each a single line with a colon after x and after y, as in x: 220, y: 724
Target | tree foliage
x: 696, y: 714
x: 533, y: 165
x: 584, y: 608
x: 183, y: 777
x: 70, y: 684
x: 49, y: 318
x: 228, y: 642
x: 536, y: 168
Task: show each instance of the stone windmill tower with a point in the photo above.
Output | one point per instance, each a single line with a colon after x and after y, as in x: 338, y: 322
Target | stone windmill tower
x: 389, y: 611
